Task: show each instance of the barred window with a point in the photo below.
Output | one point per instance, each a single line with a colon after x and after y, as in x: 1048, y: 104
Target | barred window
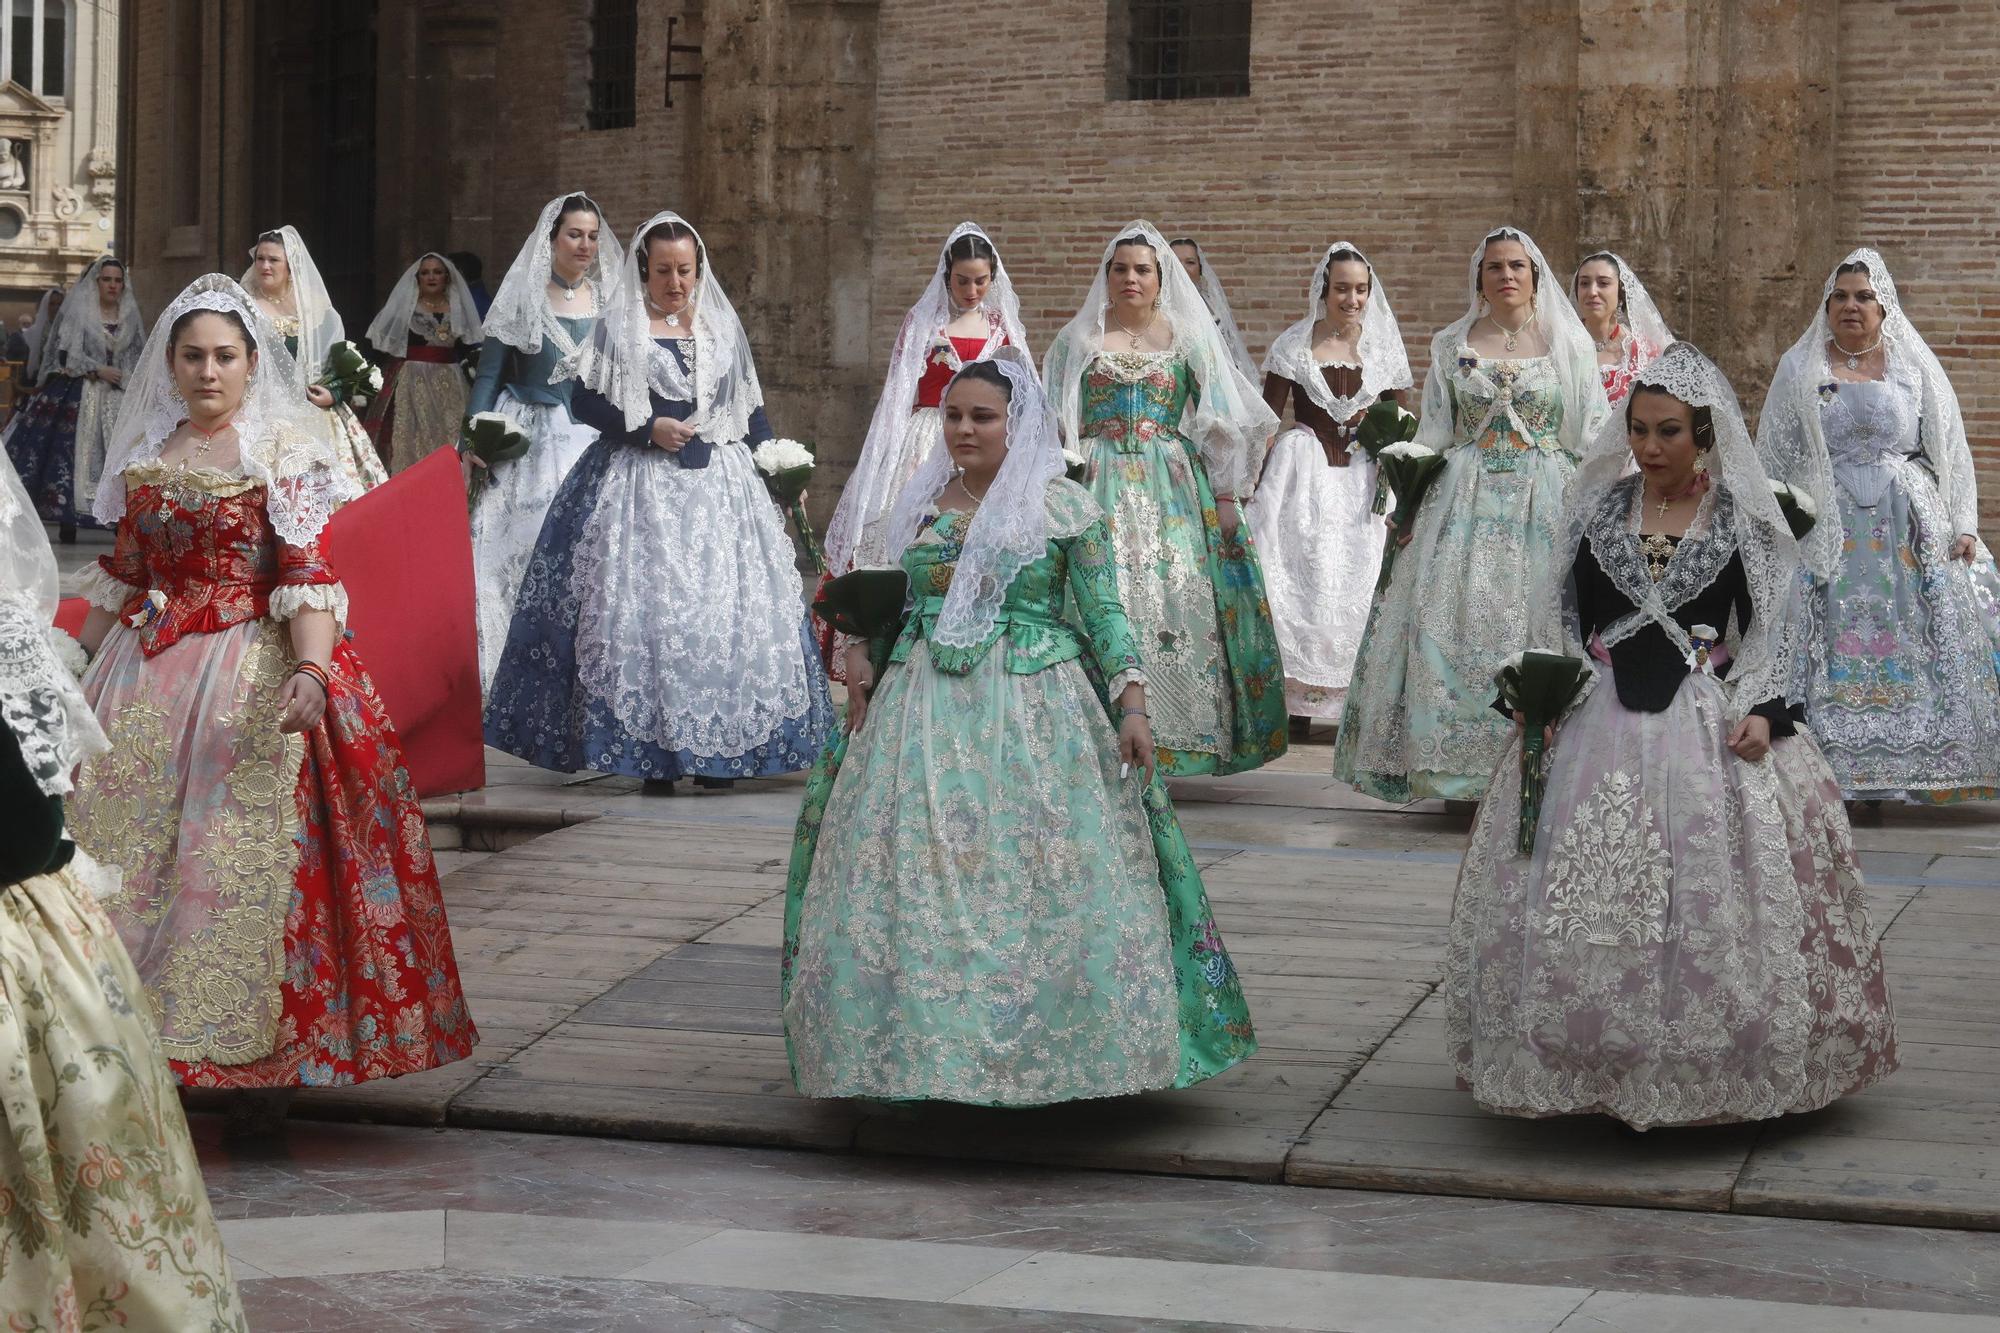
x: 1174, y: 49
x: 614, y: 64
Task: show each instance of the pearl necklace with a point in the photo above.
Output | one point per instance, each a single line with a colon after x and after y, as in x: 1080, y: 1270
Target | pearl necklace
x: 1854, y: 358
x: 671, y: 318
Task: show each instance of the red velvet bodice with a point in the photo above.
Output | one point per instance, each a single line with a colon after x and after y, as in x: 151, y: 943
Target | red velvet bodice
x: 938, y: 368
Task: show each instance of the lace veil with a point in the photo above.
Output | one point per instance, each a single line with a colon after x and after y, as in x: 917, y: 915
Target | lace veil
x: 1218, y: 305
x: 1010, y: 529
x: 39, y: 699
x: 1636, y: 310
x: 39, y: 331
x: 78, y: 342
x: 1571, y: 351
x: 283, y: 440
x: 520, y: 316
x: 1385, y: 363
x: 722, y: 383
x: 320, y: 326
x: 1789, y: 434
x: 390, y: 333
x: 1738, y: 516
x: 1227, y: 420
x: 869, y: 489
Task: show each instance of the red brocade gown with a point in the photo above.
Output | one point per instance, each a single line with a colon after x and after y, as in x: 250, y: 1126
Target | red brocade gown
x: 279, y: 895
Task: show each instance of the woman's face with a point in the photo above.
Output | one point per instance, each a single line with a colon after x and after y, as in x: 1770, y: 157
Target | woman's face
x: 671, y: 273
x: 576, y: 243
x: 431, y: 277
x: 1660, y: 429
x: 1506, y: 275
x: 1853, y: 310
x: 975, y: 426
x: 1190, y: 260
x: 211, y: 363
x: 1597, y: 291
x: 1133, y: 276
x: 110, y: 285
x: 1347, y: 290
x: 969, y: 280
x: 272, y: 272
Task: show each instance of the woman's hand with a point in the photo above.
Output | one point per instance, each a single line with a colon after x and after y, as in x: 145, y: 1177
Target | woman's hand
x: 1226, y: 509
x: 671, y: 435
x: 111, y: 375
x: 1751, y: 740
x: 319, y: 395
x: 1135, y: 743
x: 466, y: 462
x: 860, y: 685
x: 1966, y: 547
x: 1548, y: 732
x: 301, y: 703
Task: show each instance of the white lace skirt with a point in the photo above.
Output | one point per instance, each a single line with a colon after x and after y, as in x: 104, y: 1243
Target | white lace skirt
x: 508, y: 516
x: 1322, y: 551
x: 1689, y: 940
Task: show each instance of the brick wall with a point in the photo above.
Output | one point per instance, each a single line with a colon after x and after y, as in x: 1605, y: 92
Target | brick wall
x: 1395, y: 132
x: 1918, y: 138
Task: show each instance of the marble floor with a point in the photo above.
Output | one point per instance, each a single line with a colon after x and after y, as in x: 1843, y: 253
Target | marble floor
x: 352, y: 1228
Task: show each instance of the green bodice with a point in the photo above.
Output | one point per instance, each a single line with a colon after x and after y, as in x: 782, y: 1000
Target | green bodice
x: 1130, y: 398
x: 1081, y: 562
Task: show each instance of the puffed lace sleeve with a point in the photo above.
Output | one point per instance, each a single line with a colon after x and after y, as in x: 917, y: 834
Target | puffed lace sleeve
x: 306, y: 582
x: 113, y: 579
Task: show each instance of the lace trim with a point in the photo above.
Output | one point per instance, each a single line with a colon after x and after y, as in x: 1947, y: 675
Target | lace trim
x: 291, y: 598
x: 103, y: 589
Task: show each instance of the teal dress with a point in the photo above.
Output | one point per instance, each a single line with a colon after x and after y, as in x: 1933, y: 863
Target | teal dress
x: 980, y: 909
x: 1196, y: 598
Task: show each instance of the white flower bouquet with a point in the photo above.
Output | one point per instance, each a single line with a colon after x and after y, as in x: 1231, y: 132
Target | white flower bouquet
x: 1408, y: 468
x: 787, y: 468
x: 349, y: 376
x: 68, y: 651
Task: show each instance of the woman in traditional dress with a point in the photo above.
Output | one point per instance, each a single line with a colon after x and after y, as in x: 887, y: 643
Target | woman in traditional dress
x: 538, y: 334
x: 990, y: 899
x: 1901, y: 673
x: 280, y: 899
x: 287, y: 287
x: 1511, y: 397
x: 423, y: 328
x: 58, y: 441
x: 1689, y: 940
x: 107, y: 1224
x: 1188, y: 250
x: 39, y: 329
x: 966, y: 312
x: 1621, y: 319
x: 1174, y: 433
x: 1314, y: 515
x: 660, y: 632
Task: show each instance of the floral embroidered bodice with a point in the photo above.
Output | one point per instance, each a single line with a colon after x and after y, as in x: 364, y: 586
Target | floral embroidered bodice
x: 1039, y: 632
x: 1129, y: 398
x: 1506, y: 408
x: 201, y: 538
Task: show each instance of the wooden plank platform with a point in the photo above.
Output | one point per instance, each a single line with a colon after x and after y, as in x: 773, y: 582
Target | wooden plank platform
x: 623, y: 972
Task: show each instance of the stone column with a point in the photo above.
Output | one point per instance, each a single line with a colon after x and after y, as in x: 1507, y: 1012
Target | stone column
x: 1693, y: 137
x: 786, y: 183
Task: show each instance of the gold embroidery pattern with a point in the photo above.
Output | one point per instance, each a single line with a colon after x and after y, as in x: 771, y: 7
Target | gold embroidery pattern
x: 124, y: 813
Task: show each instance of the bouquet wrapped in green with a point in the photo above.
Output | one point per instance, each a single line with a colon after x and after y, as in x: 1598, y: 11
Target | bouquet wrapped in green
x: 1408, y: 468
x: 1539, y: 686
x: 1075, y: 466
x: 787, y: 468
x: 1798, y: 508
x: 349, y: 376
x: 866, y: 604
x: 491, y: 438
x: 1382, y: 425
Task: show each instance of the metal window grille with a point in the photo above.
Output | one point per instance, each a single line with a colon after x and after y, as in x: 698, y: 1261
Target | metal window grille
x: 1187, y: 48
x: 614, y: 64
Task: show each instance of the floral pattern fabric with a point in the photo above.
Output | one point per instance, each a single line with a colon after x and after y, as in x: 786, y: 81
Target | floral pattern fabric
x: 1418, y: 721
x: 424, y: 395
x: 59, y: 441
x: 1903, y: 648
x: 104, y: 1222
x: 1689, y: 941
x: 980, y: 909
x: 279, y: 898
x: 1215, y: 681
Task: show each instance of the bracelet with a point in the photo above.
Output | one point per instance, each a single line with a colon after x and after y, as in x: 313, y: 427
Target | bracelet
x: 1136, y: 712
x: 317, y: 673
x: 1229, y: 498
